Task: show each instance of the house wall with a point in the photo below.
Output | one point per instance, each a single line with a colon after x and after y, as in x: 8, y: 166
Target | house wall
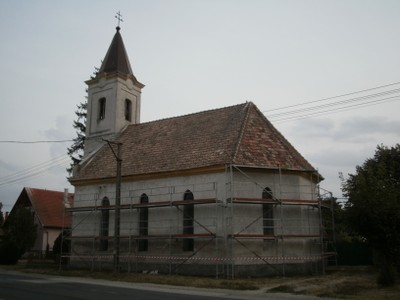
x: 292, y: 223
x: 45, y: 236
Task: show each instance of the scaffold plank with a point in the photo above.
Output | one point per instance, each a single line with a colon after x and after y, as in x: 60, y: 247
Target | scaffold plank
x: 144, y: 205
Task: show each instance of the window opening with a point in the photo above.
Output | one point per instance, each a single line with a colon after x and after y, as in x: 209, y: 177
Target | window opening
x: 268, y: 213
x: 188, y: 217
x: 102, y: 108
x: 104, y: 224
x: 128, y: 110
x: 143, y: 244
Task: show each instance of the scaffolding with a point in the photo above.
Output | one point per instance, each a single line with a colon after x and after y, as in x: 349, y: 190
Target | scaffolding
x: 229, y: 231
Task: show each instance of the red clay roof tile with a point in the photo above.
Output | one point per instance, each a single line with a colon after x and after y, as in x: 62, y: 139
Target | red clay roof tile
x: 237, y: 134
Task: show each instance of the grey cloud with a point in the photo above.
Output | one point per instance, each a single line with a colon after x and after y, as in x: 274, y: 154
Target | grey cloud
x: 362, y: 129
x: 339, y: 157
x: 8, y: 167
x: 313, y: 127
x: 61, y: 131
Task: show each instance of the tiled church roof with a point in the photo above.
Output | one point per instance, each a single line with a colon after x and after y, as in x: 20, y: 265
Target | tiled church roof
x: 237, y: 134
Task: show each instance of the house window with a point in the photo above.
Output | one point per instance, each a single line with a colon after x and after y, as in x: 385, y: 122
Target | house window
x: 268, y: 213
x: 128, y: 110
x: 104, y: 224
x: 102, y: 108
x: 143, y: 245
x: 188, y: 216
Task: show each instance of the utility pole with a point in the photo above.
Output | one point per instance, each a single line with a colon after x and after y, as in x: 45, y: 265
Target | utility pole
x: 117, y: 218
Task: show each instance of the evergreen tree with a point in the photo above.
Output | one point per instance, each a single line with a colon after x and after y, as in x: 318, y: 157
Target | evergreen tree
x: 76, y: 149
x: 19, y: 235
x: 1, y: 215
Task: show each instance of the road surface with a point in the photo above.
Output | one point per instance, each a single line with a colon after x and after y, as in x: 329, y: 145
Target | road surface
x: 24, y: 286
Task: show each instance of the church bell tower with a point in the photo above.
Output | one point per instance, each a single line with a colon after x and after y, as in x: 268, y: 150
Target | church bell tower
x: 113, y: 97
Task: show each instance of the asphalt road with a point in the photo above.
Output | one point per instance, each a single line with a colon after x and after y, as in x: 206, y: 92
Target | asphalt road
x: 23, y: 286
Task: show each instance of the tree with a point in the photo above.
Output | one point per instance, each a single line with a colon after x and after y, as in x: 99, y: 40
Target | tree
x: 62, y: 245
x: 373, y: 207
x: 1, y: 215
x: 19, y: 235
x: 76, y: 149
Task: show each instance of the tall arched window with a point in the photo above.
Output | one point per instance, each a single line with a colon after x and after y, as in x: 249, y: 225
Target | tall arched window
x: 104, y: 224
x: 102, y: 108
x: 188, y: 216
x: 128, y: 110
x: 268, y: 213
x: 143, y: 224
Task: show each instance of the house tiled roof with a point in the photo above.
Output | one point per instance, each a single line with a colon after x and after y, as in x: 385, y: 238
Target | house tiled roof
x: 48, y: 206
x: 237, y: 134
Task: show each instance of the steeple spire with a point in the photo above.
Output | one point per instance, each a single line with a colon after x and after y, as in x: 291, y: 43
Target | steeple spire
x: 116, y: 59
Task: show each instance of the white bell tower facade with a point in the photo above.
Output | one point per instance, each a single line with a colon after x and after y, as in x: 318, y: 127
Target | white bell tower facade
x: 113, y: 97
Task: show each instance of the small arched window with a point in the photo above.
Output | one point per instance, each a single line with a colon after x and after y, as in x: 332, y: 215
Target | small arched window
x: 188, y: 217
x: 268, y: 212
x: 104, y: 224
x: 128, y: 110
x: 102, y: 108
x: 143, y: 244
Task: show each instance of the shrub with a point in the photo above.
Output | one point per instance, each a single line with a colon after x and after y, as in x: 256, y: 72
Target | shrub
x: 9, y: 252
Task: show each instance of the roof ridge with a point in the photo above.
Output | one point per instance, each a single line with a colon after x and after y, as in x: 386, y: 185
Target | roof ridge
x: 46, y: 190
x: 242, y: 129
x: 190, y: 114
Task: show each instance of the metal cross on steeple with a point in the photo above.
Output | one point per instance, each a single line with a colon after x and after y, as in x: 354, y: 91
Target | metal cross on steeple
x: 119, y: 18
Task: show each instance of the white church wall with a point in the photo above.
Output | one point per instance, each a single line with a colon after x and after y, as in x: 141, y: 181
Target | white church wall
x: 293, y: 224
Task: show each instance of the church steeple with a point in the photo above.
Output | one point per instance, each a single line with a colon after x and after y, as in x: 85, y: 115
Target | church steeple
x: 116, y: 59
x: 114, y: 97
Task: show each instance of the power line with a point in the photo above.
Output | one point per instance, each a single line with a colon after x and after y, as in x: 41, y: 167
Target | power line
x: 340, y: 109
x: 34, y: 171
x: 33, y: 168
x: 334, y: 97
x: 337, y: 103
x: 336, y: 106
x: 34, y: 142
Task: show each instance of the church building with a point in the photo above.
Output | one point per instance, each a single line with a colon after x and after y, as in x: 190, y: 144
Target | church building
x: 218, y: 192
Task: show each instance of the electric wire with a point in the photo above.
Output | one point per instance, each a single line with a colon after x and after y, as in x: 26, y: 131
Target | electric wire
x: 33, y: 168
x: 310, y: 109
x: 334, y: 97
x: 337, y: 103
x: 34, y: 142
x: 341, y: 109
x: 34, y: 171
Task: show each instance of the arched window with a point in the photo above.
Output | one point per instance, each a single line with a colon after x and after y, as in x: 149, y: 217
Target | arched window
x: 143, y: 245
x: 128, y: 110
x: 188, y: 216
x: 268, y: 213
x: 104, y: 224
x: 102, y: 108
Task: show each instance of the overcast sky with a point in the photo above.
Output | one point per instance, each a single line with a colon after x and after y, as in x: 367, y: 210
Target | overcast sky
x: 196, y: 55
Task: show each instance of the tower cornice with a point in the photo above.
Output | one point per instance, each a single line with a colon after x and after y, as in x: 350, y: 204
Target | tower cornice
x: 111, y: 75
